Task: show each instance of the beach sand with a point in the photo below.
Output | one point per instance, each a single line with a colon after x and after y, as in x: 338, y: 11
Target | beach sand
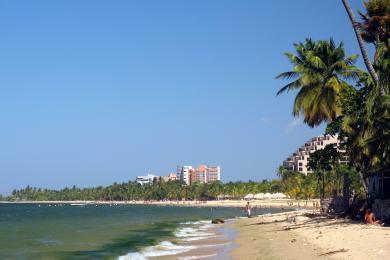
x: 217, y: 246
x: 294, y: 236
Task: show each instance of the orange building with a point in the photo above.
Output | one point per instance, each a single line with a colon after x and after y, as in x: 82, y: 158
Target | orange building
x: 205, y: 174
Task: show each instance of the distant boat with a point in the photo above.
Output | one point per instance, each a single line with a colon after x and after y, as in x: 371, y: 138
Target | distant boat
x: 77, y: 204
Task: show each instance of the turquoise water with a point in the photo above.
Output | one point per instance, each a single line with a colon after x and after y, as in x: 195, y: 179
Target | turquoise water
x: 32, y: 231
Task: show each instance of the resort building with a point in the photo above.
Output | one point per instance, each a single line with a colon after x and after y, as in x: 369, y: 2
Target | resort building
x: 202, y: 174
x: 213, y: 173
x: 299, y: 159
x: 146, y: 179
x: 170, y: 177
x: 184, y: 174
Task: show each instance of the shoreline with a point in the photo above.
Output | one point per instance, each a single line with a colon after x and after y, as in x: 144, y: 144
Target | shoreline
x: 306, y: 235
x: 281, y: 203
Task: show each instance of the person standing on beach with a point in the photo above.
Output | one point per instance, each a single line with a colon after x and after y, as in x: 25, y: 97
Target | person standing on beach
x: 248, y: 209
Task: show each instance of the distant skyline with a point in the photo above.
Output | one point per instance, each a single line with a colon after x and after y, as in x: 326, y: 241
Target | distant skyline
x: 96, y: 92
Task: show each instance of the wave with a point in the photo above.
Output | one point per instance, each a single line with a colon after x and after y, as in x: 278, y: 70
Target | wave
x: 198, y: 257
x: 188, y: 231
x: 162, y: 249
x: 196, y: 222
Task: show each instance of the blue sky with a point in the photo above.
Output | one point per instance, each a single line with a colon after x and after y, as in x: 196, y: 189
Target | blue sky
x: 96, y: 92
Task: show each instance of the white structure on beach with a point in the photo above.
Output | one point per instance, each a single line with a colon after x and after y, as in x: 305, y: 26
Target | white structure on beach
x: 264, y: 196
x: 146, y: 179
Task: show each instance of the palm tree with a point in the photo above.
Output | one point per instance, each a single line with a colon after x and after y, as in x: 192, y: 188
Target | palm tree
x: 363, y: 50
x: 320, y: 72
x: 375, y: 27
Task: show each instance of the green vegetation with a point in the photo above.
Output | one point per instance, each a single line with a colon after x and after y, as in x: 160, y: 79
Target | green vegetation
x: 320, y: 72
x: 354, y: 103
x: 157, y: 191
x: 171, y: 191
x: 293, y: 184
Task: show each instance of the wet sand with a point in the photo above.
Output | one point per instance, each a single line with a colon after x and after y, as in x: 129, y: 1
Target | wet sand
x: 214, y: 247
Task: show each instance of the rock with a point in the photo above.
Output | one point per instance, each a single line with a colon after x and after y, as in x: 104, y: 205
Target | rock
x: 217, y: 221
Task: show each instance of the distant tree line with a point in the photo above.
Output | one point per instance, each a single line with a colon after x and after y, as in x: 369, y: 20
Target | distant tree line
x: 294, y: 184
x: 159, y: 190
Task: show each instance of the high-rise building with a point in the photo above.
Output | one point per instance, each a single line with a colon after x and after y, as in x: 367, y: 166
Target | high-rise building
x: 299, y: 159
x: 202, y: 174
x: 199, y: 174
x: 213, y: 173
x: 184, y: 174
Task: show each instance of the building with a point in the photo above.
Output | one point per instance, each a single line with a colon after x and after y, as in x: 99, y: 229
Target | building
x: 170, y: 177
x: 299, y: 159
x: 199, y: 174
x: 184, y: 174
x: 202, y: 174
x: 214, y: 173
x: 146, y: 179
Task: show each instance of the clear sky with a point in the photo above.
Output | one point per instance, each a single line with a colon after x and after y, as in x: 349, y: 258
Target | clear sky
x: 95, y: 92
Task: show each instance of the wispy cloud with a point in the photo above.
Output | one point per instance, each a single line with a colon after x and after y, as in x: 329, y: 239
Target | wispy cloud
x: 265, y: 120
x: 292, y: 125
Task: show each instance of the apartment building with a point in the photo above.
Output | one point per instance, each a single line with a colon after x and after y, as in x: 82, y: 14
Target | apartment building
x: 214, y: 173
x: 202, y: 174
x: 184, y: 174
x: 299, y: 159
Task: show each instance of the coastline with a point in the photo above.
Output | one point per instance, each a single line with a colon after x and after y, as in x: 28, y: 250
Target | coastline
x: 281, y: 203
x: 304, y: 235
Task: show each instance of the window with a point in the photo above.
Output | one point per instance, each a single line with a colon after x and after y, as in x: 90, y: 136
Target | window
x: 300, y: 169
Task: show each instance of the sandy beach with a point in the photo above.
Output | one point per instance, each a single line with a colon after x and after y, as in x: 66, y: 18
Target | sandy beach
x: 292, y: 235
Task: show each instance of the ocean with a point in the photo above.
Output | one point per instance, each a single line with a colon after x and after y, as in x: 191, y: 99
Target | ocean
x: 62, y: 231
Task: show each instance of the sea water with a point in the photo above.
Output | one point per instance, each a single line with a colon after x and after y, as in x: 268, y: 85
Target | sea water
x: 62, y: 231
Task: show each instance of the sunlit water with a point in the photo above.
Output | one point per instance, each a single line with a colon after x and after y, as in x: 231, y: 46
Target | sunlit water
x: 32, y: 231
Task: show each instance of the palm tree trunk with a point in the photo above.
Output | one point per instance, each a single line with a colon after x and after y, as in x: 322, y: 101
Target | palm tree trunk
x: 364, y: 181
x: 360, y: 40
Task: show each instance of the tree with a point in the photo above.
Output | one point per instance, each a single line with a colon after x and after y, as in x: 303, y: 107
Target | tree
x: 359, y: 38
x: 320, y: 72
x: 322, y: 162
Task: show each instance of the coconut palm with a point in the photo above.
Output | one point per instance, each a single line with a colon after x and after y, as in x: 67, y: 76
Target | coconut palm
x: 359, y: 37
x: 375, y: 26
x: 321, y: 71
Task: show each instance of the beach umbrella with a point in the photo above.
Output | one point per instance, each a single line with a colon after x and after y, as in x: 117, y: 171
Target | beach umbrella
x: 249, y: 196
x: 259, y: 196
x: 267, y: 195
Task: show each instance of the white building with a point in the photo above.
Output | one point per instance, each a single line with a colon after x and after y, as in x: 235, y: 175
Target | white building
x: 184, y: 174
x: 202, y: 174
x: 146, y: 179
x: 299, y: 159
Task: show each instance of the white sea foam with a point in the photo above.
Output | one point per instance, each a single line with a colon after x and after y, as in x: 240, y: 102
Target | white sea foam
x: 163, y: 249
x: 188, y: 239
x: 197, y: 257
x: 189, y: 231
x: 196, y: 222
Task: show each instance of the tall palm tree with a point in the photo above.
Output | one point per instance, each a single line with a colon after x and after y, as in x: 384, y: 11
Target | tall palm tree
x: 375, y: 25
x: 363, y: 50
x: 321, y: 71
